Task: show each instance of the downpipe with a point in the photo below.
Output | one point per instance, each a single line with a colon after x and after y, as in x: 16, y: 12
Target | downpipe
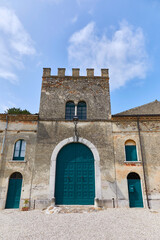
x: 144, y: 172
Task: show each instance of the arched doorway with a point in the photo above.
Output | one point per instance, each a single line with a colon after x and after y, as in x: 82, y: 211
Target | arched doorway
x: 75, y: 175
x: 14, y: 190
x: 134, y: 190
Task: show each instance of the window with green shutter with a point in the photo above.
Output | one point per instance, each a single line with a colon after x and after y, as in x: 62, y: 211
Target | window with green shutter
x: 19, y: 150
x: 131, y: 153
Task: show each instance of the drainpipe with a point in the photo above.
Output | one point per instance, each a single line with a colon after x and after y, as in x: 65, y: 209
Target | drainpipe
x: 145, y: 182
x: 5, y: 131
x: 30, y: 192
x: 115, y: 201
x: 115, y: 178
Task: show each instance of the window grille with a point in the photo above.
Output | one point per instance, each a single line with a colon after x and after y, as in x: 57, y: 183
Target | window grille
x: 82, y: 111
x: 70, y: 110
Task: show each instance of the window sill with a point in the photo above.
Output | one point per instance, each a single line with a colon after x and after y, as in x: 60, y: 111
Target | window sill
x: 17, y: 161
x: 132, y: 162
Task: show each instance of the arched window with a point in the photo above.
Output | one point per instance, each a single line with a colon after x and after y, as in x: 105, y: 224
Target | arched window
x: 131, y: 151
x: 82, y: 110
x: 19, y: 150
x: 70, y: 110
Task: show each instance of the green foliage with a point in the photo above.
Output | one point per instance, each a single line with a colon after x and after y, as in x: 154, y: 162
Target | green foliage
x: 26, y: 202
x: 17, y: 111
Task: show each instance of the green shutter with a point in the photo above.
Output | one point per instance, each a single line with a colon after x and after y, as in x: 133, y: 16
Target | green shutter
x: 131, y: 153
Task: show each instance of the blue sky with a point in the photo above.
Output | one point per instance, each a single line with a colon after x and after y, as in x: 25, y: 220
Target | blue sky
x: 121, y: 35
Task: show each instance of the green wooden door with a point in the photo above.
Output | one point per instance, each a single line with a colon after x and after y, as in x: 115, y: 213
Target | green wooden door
x: 75, y: 176
x: 135, y: 193
x: 14, y: 191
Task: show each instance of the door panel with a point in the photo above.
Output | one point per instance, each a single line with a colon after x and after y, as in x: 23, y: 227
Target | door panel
x: 75, y: 178
x: 135, y: 193
x: 14, y: 193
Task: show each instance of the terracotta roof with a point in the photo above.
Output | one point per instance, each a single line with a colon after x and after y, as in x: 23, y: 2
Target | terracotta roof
x: 152, y: 108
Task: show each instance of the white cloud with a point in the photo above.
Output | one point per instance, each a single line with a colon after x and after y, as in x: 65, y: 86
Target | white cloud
x: 124, y: 53
x: 14, y: 43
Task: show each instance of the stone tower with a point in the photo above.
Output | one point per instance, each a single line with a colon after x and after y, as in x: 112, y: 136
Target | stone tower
x: 55, y: 131
x: 57, y: 90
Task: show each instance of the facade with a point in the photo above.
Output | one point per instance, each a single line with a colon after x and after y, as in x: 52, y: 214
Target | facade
x: 98, y: 159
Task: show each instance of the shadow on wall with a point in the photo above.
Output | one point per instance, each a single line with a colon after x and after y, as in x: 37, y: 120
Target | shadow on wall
x: 116, y: 190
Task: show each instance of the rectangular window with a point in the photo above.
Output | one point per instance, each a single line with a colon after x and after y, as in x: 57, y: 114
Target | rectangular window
x: 131, y: 153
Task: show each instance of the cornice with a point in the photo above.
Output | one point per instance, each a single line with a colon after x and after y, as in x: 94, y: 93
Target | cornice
x: 154, y: 117
x: 19, y: 117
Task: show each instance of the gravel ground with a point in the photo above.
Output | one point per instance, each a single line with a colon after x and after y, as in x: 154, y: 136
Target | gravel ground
x: 110, y: 224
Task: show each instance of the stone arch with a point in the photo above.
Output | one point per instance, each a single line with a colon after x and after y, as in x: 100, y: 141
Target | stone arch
x: 133, y: 175
x: 96, y: 161
x: 16, y: 175
x: 130, y: 142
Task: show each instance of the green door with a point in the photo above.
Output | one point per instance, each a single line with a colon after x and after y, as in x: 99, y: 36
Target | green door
x: 14, y: 191
x: 75, y: 176
x: 134, y: 190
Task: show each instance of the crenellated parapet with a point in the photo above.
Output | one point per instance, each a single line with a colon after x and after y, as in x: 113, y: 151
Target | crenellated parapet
x: 76, y: 72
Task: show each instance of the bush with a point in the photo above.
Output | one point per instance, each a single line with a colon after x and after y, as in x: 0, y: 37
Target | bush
x: 17, y: 111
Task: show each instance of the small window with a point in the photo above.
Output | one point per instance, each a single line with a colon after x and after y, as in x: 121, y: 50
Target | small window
x: 82, y: 111
x: 70, y: 110
x: 131, y: 151
x: 19, y: 150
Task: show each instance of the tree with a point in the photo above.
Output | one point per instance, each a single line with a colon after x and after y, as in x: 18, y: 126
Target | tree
x: 17, y: 111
